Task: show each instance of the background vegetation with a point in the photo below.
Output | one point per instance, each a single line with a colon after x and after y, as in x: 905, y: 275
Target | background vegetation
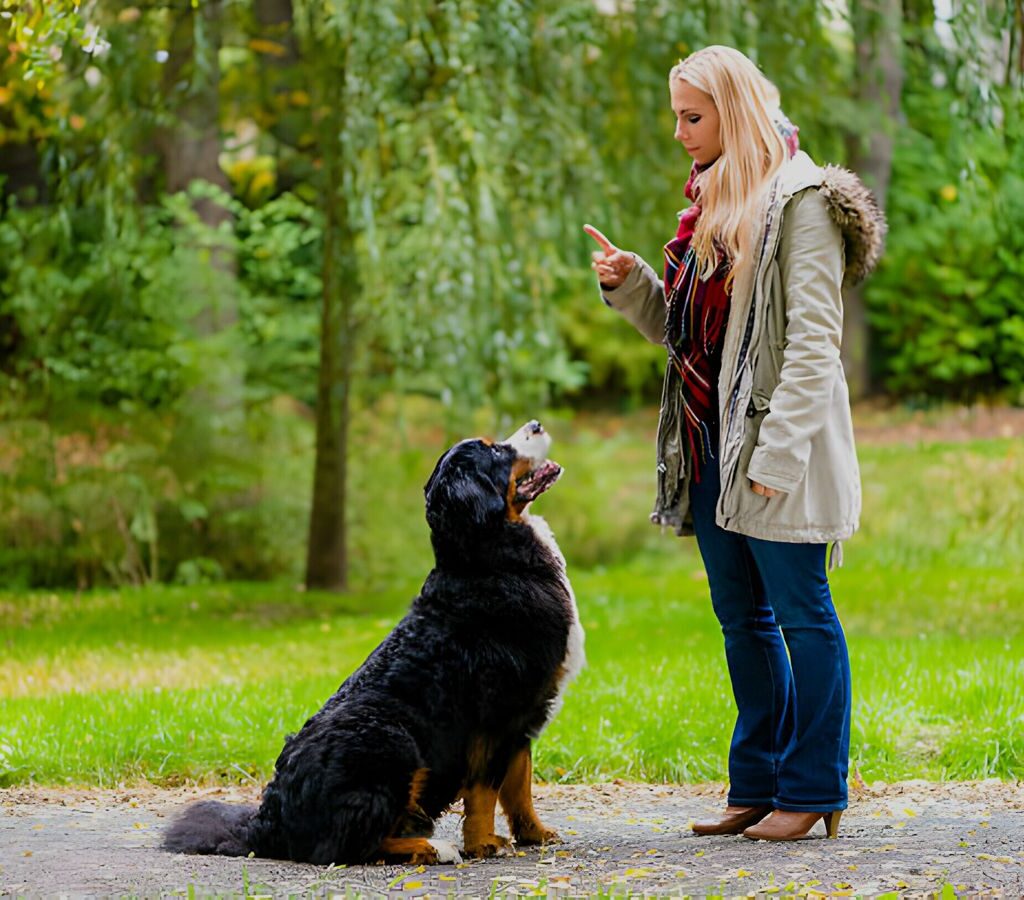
x: 222, y: 221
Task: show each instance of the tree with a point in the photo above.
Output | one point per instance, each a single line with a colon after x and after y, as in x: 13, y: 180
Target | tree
x: 444, y: 133
x: 877, y: 29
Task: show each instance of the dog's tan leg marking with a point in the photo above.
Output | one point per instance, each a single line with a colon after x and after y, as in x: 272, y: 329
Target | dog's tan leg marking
x: 414, y: 822
x: 517, y: 802
x: 478, y: 835
x: 418, y: 851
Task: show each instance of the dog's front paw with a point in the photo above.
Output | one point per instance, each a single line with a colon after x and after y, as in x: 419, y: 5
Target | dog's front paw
x: 491, y: 845
x: 532, y: 835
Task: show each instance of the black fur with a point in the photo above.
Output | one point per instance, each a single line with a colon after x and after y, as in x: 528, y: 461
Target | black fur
x: 473, y: 664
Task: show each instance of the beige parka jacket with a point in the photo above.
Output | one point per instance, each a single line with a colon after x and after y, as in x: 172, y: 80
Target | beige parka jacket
x: 783, y: 400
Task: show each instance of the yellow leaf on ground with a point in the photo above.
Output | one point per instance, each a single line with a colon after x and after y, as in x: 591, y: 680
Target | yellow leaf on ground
x: 743, y: 873
x: 446, y: 878
x: 411, y: 885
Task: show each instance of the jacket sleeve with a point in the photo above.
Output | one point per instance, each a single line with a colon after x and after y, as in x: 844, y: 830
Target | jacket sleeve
x: 641, y: 300
x: 811, y: 268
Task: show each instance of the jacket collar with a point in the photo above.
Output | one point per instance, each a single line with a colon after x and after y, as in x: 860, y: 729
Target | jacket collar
x: 850, y: 204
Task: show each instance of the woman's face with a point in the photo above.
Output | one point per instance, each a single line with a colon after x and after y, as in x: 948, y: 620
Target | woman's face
x: 696, y: 122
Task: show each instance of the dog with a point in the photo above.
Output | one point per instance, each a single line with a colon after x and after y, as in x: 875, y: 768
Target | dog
x: 447, y: 706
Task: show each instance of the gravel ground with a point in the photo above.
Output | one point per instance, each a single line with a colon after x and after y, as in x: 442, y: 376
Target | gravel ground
x: 620, y: 839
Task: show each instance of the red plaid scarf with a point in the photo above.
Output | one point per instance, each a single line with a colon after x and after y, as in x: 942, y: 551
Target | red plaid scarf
x: 696, y: 318
x: 694, y: 326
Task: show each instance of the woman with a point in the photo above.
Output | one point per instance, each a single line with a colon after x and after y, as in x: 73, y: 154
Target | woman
x: 755, y: 441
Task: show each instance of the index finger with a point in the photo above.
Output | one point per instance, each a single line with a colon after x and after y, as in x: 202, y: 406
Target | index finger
x: 606, y: 244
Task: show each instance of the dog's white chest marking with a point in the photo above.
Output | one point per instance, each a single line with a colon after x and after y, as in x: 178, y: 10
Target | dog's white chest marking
x: 575, y: 658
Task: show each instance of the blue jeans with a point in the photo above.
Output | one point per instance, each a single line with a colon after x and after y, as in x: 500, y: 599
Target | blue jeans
x: 791, y: 744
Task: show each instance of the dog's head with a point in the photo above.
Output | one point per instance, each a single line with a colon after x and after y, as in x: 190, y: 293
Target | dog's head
x: 478, y: 485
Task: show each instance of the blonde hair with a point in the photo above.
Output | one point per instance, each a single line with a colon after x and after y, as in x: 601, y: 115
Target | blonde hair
x: 753, y: 150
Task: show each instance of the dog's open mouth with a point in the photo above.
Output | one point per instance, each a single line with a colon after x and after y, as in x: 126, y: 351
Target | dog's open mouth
x: 537, y: 481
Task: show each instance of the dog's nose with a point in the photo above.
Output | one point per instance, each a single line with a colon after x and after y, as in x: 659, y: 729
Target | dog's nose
x: 534, y: 427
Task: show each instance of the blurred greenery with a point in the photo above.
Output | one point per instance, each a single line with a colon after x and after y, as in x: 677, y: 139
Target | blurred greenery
x: 181, y: 185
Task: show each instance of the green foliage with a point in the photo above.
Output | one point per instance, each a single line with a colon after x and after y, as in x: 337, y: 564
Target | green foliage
x: 957, y: 237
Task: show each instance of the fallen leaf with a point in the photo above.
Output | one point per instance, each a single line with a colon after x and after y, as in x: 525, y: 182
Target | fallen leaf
x: 411, y: 885
x: 446, y: 878
x: 743, y: 873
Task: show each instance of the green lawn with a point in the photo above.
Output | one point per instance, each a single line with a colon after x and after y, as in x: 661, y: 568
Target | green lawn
x: 176, y: 683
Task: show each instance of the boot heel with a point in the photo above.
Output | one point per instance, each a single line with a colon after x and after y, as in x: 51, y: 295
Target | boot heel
x: 832, y: 823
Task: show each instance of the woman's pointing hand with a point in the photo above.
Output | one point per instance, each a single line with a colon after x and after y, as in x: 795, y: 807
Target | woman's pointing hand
x: 611, y: 264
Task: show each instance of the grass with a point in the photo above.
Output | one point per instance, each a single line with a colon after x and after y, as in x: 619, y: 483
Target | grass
x: 170, y: 684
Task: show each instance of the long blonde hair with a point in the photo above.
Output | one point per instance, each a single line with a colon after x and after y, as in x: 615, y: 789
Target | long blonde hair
x: 753, y: 150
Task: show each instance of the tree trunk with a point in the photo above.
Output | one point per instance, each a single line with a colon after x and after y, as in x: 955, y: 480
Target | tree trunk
x: 877, y: 28
x: 282, y: 80
x: 191, y: 148
x: 327, y: 552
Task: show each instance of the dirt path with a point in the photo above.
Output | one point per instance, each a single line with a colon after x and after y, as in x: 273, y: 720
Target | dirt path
x: 620, y: 839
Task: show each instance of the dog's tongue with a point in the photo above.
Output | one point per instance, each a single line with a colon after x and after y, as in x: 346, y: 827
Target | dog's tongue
x: 535, y: 483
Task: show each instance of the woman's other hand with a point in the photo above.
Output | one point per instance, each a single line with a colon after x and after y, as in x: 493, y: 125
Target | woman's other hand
x: 759, y: 488
x: 611, y: 264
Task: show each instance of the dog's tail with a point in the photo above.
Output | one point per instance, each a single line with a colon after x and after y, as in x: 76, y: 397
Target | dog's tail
x: 212, y: 827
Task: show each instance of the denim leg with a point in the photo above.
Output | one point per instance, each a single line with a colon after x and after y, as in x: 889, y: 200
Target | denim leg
x: 814, y: 763
x: 755, y: 652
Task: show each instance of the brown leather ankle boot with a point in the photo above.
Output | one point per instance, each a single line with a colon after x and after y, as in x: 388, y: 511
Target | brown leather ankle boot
x: 782, y: 825
x: 733, y: 821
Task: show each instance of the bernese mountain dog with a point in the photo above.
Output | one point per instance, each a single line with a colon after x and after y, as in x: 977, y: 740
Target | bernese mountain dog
x: 448, y: 704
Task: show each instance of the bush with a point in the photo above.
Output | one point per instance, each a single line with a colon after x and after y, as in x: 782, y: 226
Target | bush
x: 947, y: 305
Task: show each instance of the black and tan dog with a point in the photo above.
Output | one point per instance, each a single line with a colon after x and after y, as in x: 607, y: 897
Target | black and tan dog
x: 447, y: 706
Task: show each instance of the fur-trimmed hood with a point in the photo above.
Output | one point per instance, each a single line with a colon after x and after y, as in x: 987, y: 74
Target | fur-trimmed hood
x: 854, y: 209
x: 850, y: 204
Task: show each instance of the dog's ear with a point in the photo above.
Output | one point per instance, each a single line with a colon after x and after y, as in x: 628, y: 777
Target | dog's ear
x: 460, y: 496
